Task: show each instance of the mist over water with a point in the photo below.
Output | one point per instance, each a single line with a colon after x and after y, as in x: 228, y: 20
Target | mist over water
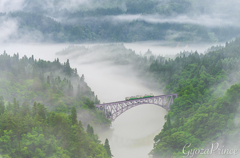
x: 168, y: 48
x: 114, y: 84
x: 132, y: 133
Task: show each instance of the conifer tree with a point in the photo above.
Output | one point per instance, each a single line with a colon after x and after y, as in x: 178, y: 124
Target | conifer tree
x: 48, y: 79
x: 177, y: 121
x: 68, y: 69
x: 96, y: 101
x: 165, y: 127
x: 80, y: 124
x: 74, y: 116
x: 34, y: 109
x: 41, y: 111
x: 15, y: 105
x: 82, y: 78
x: 90, y: 130
x: 169, y: 122
x: 107, y: 147
x: 2, y: 106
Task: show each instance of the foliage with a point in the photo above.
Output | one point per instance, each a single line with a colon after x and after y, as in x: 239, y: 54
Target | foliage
x: 102, y: 24
x: 107, y: 147
x: 202, y: 113
x: 56, y: 85
x: 28, y: 132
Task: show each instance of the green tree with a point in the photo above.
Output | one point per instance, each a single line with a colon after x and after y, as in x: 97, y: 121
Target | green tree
x: 2, y: 106
x: 68, y: 69
x: 82, y: 78
x: 6, y: 143
x: 177, y: 121
x: 90, y: 130
x: 48, y: 79
x: 74, y: 116
x: 169, y: 122
x: 107, y: 147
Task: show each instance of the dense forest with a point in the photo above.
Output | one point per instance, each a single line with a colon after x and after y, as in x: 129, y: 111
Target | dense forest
x: 48, y: 110
x: 33, y: 131
x: 119, y: 21
x: 40, y: 105
x: 104, y: 30
x: 56, y: 85
x: 43, y: 99
x: 206, y: 110
x: 107, y: 7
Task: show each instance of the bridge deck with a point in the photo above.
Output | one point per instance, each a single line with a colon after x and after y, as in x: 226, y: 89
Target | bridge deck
x: 137, y: 99
x: 114, y: 109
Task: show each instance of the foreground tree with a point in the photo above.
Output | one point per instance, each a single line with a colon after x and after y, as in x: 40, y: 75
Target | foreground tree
x: 107, y: 147
x: 74, y: 116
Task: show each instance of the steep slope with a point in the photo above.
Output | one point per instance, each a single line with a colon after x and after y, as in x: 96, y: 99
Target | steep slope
x: 204, y: 112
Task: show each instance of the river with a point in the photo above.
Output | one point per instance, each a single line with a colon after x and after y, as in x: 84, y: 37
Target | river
x: 132, y: 133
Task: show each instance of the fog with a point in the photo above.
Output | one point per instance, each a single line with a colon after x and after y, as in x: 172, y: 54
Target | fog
x: 8, y: 28
x: 131, y: 134
x: 210, y: 14
x: 215, y: 20
x: 113, y: 84
x: 224, y: 7
x: 52, y: 5
x: 169, y: 48
x: 229, y: 7
x: 11, y: 5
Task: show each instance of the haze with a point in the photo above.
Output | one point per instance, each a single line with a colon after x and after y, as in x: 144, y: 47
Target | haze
x: 113, y: 83
x: 80, y: 23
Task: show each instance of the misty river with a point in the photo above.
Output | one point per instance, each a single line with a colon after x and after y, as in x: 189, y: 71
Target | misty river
x: 132, y: 133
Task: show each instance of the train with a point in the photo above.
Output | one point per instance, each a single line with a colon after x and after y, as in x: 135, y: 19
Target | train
x: 139, y: 97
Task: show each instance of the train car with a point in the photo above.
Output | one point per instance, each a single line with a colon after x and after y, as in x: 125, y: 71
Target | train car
x: 139, y: 97
x: 148, y: 95
x: 133, y: 98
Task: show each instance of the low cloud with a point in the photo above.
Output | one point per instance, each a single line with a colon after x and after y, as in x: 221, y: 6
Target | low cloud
x: 11, y: 5
x: 50, y: 5
x: 8, y: 29
x: 10, y: 32
x: 205, y: 20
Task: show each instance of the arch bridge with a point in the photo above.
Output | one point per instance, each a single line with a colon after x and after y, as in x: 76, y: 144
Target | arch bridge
x: 114, y: 109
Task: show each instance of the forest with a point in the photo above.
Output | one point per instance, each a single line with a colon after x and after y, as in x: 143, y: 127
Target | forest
x: 47, y: 109
x: 39, y: 106
x: 206, y: 110
x: 121, y: 21
x: 43, y: 99
x: 104, y: 30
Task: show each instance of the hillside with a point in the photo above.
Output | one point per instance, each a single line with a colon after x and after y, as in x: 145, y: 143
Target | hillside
x: 120, y: 21
x: 33, y: 131
x: 207, y: 108
x: 40, y: 106
x: 56, y: 85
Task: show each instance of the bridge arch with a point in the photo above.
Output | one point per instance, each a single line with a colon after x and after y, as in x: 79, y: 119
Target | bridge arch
x: 114, y: 109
